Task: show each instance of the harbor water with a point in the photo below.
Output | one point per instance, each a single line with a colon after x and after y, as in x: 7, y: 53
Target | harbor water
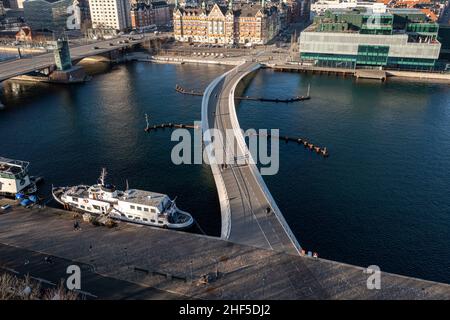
x: 381, y: 198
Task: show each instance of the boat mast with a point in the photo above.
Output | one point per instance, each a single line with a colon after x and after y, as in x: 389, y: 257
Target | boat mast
x: 103, y: 176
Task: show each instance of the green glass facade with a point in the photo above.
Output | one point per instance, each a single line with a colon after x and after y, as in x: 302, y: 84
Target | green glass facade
x: 372, y: 55
x: 424, y: 28
x: 344, y: 38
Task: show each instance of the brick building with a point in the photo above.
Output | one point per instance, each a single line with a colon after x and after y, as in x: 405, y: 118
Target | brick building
x: 144, y: 14
x: 235, y: 24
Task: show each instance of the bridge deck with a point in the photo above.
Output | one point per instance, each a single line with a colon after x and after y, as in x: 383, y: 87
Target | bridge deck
x: 9, y: 69
x: 249, y: 223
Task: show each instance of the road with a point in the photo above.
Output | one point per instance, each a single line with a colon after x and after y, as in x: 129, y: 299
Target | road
x: 250, y: 222
x: 21, y: 262
x: 12, y: 68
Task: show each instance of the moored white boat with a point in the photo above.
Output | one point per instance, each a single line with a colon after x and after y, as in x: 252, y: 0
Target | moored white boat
x: 14, y: 178
x: 132, y: 205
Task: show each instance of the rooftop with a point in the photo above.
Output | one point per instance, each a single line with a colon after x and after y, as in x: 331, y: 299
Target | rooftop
x: 10, y: 166
x: 146, y: 198
x: 243, y: 10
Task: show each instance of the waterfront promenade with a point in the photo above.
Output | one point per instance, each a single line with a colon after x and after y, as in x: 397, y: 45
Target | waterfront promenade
x: 244, y: 198
x: 143, y: 262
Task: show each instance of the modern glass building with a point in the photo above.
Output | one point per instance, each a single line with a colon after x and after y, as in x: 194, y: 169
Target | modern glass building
x: 47, y: 14
x: 398, y: 38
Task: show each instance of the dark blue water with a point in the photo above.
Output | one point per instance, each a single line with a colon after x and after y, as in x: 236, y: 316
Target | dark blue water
x: 70, y: 133
x: 382, y: 197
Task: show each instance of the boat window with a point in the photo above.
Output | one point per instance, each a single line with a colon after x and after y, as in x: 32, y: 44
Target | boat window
x: 132, y: 207
x: 82, y: 207
x: 139, y: 208
x: 160, y: 222
x: 137, y: 218
x: 153, y: 220
x: 123, y: 215
x: 146, y: 209
x: 145, y: 219
x: 131, y: 217
x: 96, y: 207
x: 152, y: 210
x: 74, y: 199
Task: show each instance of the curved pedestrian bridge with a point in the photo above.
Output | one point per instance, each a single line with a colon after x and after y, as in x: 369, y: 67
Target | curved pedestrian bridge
x: 250, y: 215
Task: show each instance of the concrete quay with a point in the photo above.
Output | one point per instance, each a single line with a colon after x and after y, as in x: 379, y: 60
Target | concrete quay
x: 171, y: 59
x: 154, y: 263
x: 362, y: 73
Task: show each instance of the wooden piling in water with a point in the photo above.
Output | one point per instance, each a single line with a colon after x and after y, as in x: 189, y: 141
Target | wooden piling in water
x: 323, y: 151
x: 182, y: 90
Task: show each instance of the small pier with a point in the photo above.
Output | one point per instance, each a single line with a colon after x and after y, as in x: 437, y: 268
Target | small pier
x: 182, y: 90
x: 357, y: 73
x: 312, y: 69
x: 370, y: 74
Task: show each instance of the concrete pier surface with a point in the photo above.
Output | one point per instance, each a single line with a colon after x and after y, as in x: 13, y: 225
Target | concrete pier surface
x: 164, y: 264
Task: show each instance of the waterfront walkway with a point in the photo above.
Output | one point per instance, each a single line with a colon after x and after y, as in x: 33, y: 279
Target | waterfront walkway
x: 243, y: 195
x: 155, y: 263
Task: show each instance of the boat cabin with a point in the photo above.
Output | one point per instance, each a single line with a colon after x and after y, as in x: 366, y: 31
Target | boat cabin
x: 13, y: 176
x: 144, y: 206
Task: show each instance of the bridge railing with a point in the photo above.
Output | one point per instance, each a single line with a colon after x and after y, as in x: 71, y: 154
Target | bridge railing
x: 218, y: 179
